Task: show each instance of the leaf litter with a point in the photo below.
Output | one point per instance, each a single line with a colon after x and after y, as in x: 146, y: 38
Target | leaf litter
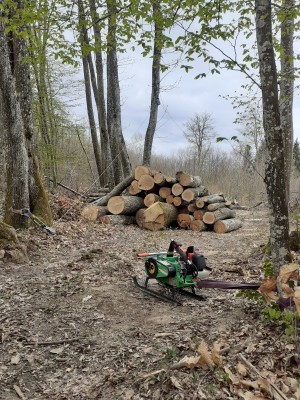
x: 73, y: 326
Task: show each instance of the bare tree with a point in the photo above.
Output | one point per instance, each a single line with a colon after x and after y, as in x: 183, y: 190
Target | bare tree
x: 275, y: 177
x: 198, y: 131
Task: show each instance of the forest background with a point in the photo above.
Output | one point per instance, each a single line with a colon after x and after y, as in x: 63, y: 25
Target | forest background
x: 47, y: 41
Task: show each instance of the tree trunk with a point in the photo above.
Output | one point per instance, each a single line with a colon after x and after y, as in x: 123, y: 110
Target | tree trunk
x: 100, y: 98
x: 210, y: 217
x: 287, y: 78
x: 275, y: 166
x: 157, y: 49
x: 121, y: 162
x: 88, y: 91
x: 227, y: 225
x: 126, y: 205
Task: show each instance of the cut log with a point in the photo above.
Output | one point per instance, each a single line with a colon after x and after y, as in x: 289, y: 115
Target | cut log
x: 184, y: 220
x: 164, y: 191
x: 198, y: 225
x: 140, y: 217
x: 210, y: 217
x: 169, y: 199
x: 191, y: 193
x: 227, y: 225
x: 89, y: 213
x: 118, y: 219
x: 141, y: 170
x: 178, y: 201
x: 187, y: 180
x: 178, y: 174
x: 127, y: 205
x: 151, y: 198
x: 159, y: 179
x: 170, y: 180
x: 92, y: 213
x: 214, y: 198
x: 177, y: 189
x: 198, y: 214
x: 134, y: 188
x: 116, y: 191
x: 192, y: 207
x: 215, y: 206
x: 146, y: 182
x: 159, y: 215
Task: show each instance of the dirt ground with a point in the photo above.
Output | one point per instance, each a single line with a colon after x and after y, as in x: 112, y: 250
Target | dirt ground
x: 74, y: 326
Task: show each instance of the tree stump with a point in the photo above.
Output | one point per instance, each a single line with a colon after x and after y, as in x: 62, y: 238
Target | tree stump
x: 126, y: 205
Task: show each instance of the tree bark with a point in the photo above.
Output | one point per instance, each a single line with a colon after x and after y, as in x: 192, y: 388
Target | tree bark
x: 118, y: 219
x: 187, y: 180
x: 275, y: 165
x: 198, y: 225
x: 120, y: 158
x: 287, y: 78
x: 156, y: 60
x: 191, y: 193
x: 210, y: 217
x: 227, y: 225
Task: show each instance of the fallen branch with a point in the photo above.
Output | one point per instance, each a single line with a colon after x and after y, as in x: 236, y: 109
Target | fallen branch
x: 255, y: 371
x: 55, y: 342
x: 115, y: 192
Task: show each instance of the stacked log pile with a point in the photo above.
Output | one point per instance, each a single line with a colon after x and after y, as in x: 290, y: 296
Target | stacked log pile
x: 155, y: 201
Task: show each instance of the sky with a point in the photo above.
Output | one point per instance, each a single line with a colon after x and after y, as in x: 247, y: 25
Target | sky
x: 181, y: 97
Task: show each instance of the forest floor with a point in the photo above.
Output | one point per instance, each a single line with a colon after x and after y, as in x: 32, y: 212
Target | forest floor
x: 73, y: 325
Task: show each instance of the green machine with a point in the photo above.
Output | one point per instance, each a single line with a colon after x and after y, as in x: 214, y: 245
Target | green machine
x: 177, y: 269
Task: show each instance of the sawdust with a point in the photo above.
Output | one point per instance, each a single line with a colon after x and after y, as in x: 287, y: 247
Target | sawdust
x: 74, y: 327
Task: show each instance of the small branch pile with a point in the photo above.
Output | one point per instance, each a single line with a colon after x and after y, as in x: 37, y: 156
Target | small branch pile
x: 155, y: 201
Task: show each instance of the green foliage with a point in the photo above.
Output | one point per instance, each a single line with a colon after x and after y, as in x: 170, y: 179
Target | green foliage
x: 171, y: 352
x: 286, y: 319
